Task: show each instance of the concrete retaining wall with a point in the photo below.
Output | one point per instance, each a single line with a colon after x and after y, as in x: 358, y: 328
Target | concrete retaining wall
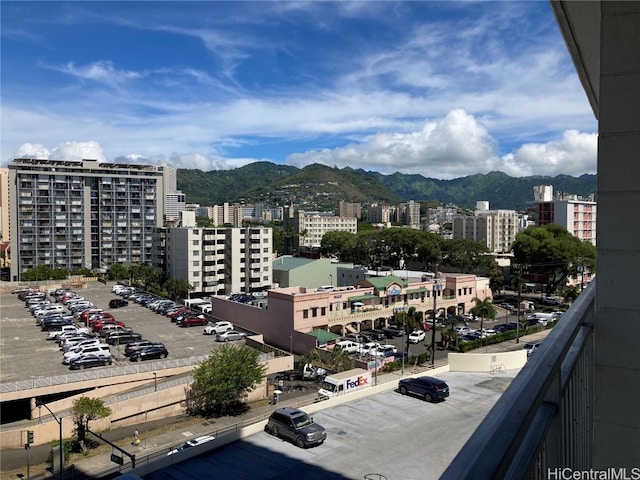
x: 487, y: 362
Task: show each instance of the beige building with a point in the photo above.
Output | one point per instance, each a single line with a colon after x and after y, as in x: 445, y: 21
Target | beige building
x: 496, y: 229
x: 409, y: 214
x: 350, y: 210
x: 220, y: 261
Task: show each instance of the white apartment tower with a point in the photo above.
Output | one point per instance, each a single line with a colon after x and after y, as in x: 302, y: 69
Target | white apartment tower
x: 220, y: 261
x: 86, y: 214
x: 496, y: 229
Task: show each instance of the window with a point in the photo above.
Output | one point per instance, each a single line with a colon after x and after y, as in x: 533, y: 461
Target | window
x: 305, y: 314
x: 323, y: 311
x: 196, y: 243
x: 314, y: 311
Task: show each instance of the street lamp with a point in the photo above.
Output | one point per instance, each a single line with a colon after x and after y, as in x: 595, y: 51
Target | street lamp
x: 437, y: 287
x: 40, y: 403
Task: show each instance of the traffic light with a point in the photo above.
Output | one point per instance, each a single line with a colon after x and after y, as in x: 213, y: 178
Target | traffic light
x: 29, y: 436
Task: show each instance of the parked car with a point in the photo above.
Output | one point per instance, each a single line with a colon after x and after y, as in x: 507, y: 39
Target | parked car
x: 138, y: 345
x: 118, y: 303
x: 462, y: 330
x: 100, y: 349
x: 417, y: 336
x: 428, y: 388
x: 356, y: 337
x: 192, y: 443
x: 193, y: 321
x: 101, y: 325
x: 386, y: 350
x: 391, y: 332
x: 147, y: 353
x: 218, y: 327
x: 348, y: 346
x: 531, y: 347
x: 74, y: 343
x: 88, y: 361
x: 122, y: 337
x: 107, y: 328
x: 295, y: 425
x: 230, y: 335
x: 376, y: 335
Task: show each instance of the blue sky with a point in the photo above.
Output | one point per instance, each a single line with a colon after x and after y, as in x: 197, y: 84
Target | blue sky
x: 442, y: 89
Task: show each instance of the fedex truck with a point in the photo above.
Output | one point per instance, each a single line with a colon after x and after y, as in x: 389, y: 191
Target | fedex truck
x: 344, y: 382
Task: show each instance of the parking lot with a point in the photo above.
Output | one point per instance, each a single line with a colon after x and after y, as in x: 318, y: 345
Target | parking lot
x: 385, y: 435
x: 26, y: 354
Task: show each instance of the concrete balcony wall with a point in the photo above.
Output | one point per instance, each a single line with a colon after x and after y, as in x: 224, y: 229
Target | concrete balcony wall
x: 617, y: 324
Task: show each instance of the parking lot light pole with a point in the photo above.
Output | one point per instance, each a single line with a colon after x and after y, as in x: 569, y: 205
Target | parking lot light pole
x: 40, y: 403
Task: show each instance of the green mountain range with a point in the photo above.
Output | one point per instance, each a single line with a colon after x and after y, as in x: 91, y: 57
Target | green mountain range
x: 318, y: 187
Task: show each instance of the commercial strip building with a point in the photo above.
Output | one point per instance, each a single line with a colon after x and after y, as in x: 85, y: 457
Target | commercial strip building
x: 290, y: 314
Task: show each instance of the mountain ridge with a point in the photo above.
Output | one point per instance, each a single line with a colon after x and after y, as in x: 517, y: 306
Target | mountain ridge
x: 321, y: 187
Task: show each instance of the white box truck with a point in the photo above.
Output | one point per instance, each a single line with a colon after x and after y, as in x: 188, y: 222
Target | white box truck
x: 344, y: 382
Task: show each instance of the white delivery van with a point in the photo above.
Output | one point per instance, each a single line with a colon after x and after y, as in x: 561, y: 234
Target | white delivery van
x: 344, y: 382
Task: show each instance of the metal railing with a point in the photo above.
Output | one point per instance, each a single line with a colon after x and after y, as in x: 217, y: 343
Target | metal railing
x: 544, y: 421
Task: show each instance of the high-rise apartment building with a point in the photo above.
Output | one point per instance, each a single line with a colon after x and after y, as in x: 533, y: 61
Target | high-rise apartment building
x: 310, y: 227
x: 496, y: 229
x: 4, y: 206
x: 73, y: 215
x: 409, y: 214
x: 379, y: 213
x: 576, y: 214
x: 348, y: 209
x: 220, y: 261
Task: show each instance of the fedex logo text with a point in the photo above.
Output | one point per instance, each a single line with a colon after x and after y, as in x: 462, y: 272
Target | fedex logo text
x: 361, y: 381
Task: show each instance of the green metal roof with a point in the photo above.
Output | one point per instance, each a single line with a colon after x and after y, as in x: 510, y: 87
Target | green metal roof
x: 381, y: 283
x: 322, y: 336
x: 359, y: 298
x: 417, y: 290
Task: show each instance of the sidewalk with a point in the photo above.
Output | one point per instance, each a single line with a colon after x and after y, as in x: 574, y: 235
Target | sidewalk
x: 167, y: 434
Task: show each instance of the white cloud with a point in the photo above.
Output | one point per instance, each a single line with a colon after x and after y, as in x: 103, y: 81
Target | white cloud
x: 574, y: 154
x: 101, y: 71
x: 456, y: 146
x: 73, y: 151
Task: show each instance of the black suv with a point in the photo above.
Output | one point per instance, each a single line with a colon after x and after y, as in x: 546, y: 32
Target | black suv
x: 295, y: 425
x: 146, y: 353
x: 117, y: 303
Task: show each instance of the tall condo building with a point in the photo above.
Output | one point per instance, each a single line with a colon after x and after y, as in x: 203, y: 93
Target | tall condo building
x: 496, y: 229
x: 86, y: 214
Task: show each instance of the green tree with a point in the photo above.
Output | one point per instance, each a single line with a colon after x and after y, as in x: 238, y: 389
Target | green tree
x: 278, y: 240
x: 496, y: 277
x: 84, y: 410
x: 312, y: 357
x: 117, y: 272
x: 223, y: 380
x: 339, y: 360
x: 552, y: 254
x: 177, y: 288
x: 338, y: 244
x: 484, y: 309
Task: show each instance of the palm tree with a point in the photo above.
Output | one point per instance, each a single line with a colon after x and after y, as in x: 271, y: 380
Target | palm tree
x: 484, y: 309
x: 339, y: 360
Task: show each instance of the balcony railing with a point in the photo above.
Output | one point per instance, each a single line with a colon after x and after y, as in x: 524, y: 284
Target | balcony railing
x: 544, y: 421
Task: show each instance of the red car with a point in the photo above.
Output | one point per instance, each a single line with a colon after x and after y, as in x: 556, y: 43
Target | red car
x: 193, y: 321
x: 101, y: 323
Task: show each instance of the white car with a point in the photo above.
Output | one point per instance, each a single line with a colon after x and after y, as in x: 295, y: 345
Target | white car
x: 417, y: 336
x: 192, y: 443
x: 218, y: 327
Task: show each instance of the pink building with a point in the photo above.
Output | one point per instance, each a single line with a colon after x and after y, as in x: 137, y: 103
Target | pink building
x: 291, y: 313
